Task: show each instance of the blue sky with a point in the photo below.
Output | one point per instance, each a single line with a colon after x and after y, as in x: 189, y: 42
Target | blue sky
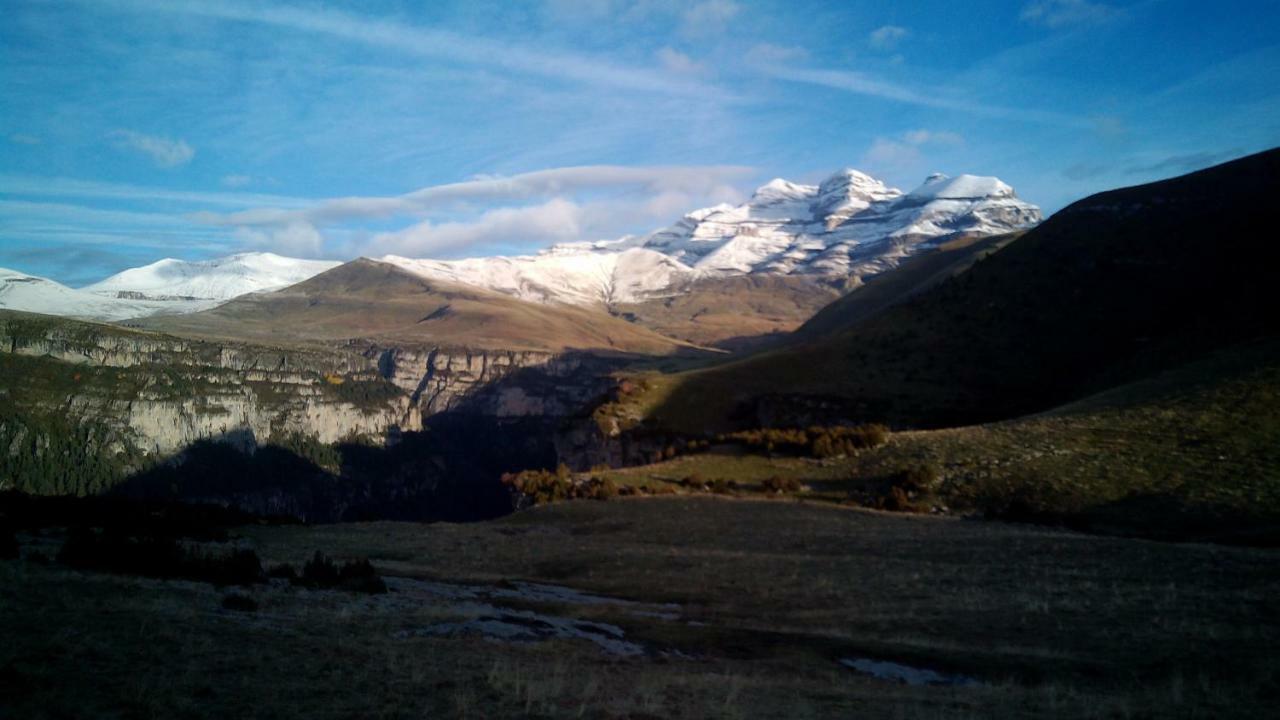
x: 133, y: 130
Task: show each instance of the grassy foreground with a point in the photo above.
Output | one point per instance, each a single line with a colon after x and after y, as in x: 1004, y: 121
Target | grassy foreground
x: 758, y: 601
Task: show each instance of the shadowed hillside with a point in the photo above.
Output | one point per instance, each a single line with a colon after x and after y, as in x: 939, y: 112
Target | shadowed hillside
x: 1113, y: 288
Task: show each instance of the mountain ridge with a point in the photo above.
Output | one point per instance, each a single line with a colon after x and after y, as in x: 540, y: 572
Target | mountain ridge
x: 848, y: 227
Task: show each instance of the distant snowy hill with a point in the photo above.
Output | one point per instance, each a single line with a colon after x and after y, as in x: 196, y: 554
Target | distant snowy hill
x: 220, y: 279
x: 29, y: 293
x: 848, y: 227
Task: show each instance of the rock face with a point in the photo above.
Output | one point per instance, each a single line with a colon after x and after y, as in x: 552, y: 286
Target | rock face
x: 166, y: 393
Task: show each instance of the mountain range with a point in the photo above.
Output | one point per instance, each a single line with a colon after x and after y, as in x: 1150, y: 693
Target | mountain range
x: 839, y: 232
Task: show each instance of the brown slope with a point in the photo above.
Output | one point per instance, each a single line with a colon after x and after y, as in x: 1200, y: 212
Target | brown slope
x: 734, y: 313
x: 1111, y: 289
x: 373, y: 300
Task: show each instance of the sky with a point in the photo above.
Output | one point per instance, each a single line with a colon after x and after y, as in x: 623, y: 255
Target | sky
x: 134, y: 130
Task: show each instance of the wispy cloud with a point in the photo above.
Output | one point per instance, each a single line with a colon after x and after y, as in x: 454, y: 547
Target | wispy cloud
x: 766, y: 53
x: 556, y: 220
x: 24, y: 139
x: 541, y: 183
x: 164, y: 152
x: 887, y: 37
x: 709, y: 17
x: 439, y: 44
x: 866, y: 84
x: 68, y: 187
x: 906, y: 152
x: 678, y: 62
x: 1060, y: 13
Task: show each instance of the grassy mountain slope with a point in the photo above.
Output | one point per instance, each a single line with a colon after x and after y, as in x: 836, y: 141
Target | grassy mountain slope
x: 368, y: 299
x: 1114, y: 288
x: 1188, y: 453
x: 732, y: 313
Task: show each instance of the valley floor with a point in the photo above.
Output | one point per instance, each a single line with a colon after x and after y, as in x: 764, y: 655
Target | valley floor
x: 695, y: 607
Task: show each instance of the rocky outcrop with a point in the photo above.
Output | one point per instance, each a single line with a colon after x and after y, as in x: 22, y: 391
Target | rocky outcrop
x: 167, y: 392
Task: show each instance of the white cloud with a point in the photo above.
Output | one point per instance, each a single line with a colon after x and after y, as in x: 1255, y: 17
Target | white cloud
x: 69, y: 187
x: 678, y: 62
x: 709, y: 17
x: 932, y: 137
x: 768, y: 53
x: 887, y: 37
x: 421, y: 41
x: 886, y: 153
x: 541, y: 183
x: 557, y: 220
x: 236, y: 181
x: 864, y: 84
x: 906, y: 152
x: 164, y: 152
x: 1060, y: 13
x: 298, y: 239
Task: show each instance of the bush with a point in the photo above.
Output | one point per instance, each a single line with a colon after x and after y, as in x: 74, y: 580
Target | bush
x: 816, y: 441
x: 159, y: 557
x: 283, y: 571
x: 896, y: 500
x: 239, y: 602
x: 319, y: 572
x: 322, y: 573
x: 778, y: 484
x: 601, y: 489
x: 694, y: 482
x: 917, y: 478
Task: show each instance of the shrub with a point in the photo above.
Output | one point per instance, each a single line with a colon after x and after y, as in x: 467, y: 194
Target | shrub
x: 917, y: 478
x: 778, y: 484
x: 160, y: 557
x: 239, y: 602
x: 601, y: 489
x: 694, y: 482
x: 669, y: 452
x: 896, y: 500
x: 322, y: 573
x: 720, y: 486
x: 283, y: 571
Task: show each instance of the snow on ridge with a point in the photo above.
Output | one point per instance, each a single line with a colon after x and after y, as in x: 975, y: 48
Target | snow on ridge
x: 219, y: 279
x: 32, y: 293
x: 849, y: 226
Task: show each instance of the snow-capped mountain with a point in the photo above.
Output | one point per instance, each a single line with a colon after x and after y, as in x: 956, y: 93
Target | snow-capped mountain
x: 30, y: 293
x: 218, y: 280
x: 848, y: 227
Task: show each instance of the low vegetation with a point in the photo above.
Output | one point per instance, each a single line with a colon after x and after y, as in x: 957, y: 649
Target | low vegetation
x: 321, y: 572
x: 117, y: 551
x: 545, y: 486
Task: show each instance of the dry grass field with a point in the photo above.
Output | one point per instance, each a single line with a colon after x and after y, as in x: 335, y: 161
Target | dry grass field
x: 734, y: 609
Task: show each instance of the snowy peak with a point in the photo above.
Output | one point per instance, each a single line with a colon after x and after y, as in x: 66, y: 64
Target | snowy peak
x: 961, y: 187
x: 219, y: 279
x: 31, y: 293
x: 778, y: 190
x: 847, y: 227
x: 847, y: 193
